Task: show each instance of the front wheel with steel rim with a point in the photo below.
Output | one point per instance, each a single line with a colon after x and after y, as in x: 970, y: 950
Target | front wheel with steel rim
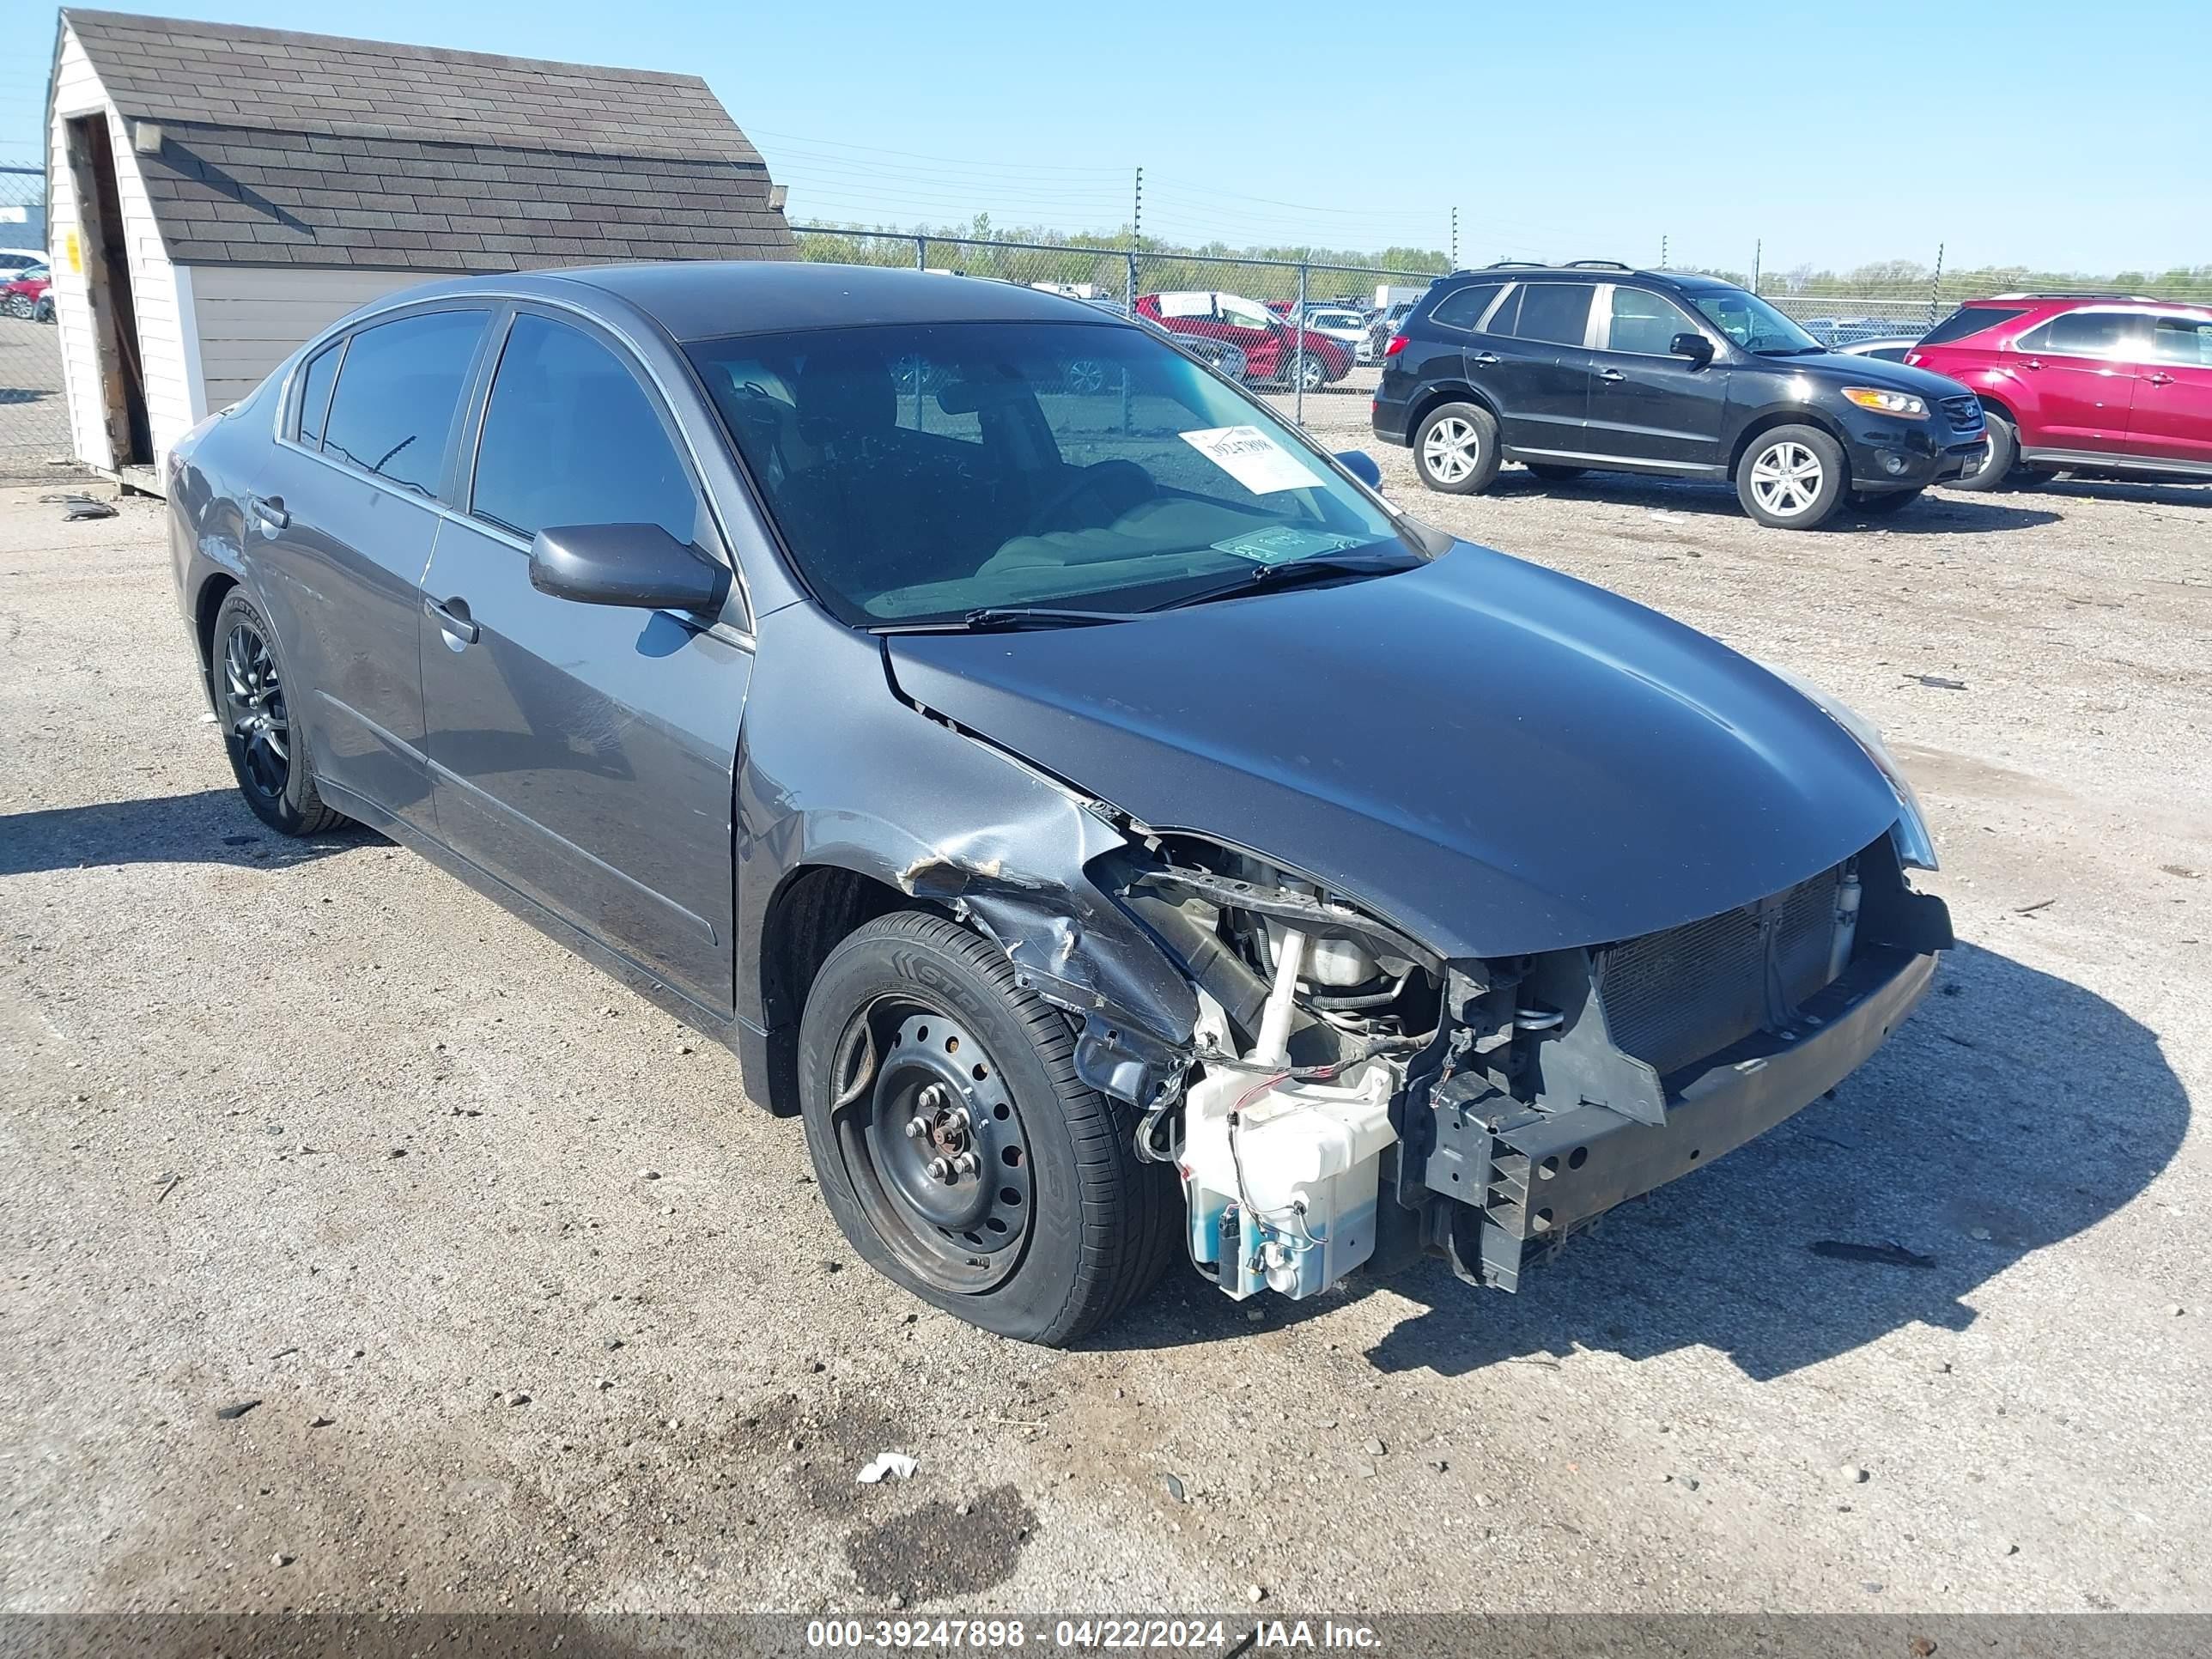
x: 1313, y: 374
x: 1792, y: 478
x: 960, y: 1153
x: 1456, y: 449
x: 247, y: 688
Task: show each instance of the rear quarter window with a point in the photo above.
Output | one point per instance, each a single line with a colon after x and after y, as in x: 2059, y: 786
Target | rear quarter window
x: 1463, y: 307
x: 1969, y: 320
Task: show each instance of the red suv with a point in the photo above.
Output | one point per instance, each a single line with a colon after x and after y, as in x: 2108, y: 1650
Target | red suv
x: 1270, y: 344
x: 2082, y: 380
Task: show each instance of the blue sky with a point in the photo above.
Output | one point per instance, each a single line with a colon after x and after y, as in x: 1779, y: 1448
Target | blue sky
x: 2036, y: 133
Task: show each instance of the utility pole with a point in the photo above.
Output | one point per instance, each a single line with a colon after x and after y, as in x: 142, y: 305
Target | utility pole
x: 1757, y: 248
x: 1663, y: 251
x: 1935, y: 288
x: 1455, y: 258
x: 1137, y: 211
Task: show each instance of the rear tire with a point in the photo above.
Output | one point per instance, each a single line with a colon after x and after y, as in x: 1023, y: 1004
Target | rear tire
x: 1998, y: 464
x: 1551, y: 474
x: 1456, y: 449
x: 248, y: 691
x: 1056, y: 1225
x: 1792, y: 478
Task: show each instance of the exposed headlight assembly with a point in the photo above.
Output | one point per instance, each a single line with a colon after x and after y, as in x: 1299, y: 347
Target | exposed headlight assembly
x: 1916, y: 848
x: 1882, y: 401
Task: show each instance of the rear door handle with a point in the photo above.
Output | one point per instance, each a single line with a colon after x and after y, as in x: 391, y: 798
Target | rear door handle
x: 458, y: 625
x: 2161, y: 379
x: 1610, y: 374
x: 1482, y: 358
x: 269, y: 509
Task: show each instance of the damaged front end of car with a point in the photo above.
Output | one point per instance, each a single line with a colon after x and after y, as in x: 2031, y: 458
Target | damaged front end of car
x: 1351, y: 1099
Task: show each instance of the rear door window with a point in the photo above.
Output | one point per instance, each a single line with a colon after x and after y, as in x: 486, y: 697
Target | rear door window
x: 1968, y: 320
x: 2085, y: 334
x: 396, y: 400
x: 570, y: 438
x: 1463, y: 307
x: 1556, y: 313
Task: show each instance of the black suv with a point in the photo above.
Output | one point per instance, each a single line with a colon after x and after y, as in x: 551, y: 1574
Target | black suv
x: 1592, y: 365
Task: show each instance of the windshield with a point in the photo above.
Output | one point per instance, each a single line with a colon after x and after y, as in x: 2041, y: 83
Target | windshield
x: 1753, y: 324
x: 919, y: 473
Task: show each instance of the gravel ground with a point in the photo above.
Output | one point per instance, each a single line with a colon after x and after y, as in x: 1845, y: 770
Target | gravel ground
x: 538, y: 1312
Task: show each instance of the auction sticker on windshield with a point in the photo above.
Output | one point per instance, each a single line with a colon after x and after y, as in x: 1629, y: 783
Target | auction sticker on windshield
x: 1253, y: 459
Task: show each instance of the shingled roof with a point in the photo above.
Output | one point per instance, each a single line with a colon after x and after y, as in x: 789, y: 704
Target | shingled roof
x: 281, y: 149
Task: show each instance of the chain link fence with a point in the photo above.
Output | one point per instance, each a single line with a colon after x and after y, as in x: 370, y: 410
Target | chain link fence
x: 1308, y: 336
x: 33, y: 415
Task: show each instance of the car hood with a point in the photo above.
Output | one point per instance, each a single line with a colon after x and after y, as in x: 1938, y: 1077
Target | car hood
x: 1493, y: 757
x: 1875, y: 371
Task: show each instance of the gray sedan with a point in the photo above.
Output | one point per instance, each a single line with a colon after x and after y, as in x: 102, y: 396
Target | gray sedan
x: 1089, y: 806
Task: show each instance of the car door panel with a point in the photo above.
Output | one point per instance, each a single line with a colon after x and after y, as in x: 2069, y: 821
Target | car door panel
x: 2171, y: 418
x: 2081, y: 384
x: 342, y: 529
x: 1539, y: 388
x: 1646, y: 405
x: 584, y: 754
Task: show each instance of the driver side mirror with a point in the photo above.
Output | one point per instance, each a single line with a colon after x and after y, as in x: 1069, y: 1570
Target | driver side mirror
x: 626, y: 564
x: 1694, y: 346
x: 1361, y: 465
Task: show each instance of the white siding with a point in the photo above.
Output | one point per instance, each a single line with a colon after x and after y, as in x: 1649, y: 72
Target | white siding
x: 249, y: 318
x: 169, y: 396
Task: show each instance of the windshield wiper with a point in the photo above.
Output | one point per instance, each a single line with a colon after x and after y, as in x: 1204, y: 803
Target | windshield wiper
x: 1299, y: 570
x: 995, y: 618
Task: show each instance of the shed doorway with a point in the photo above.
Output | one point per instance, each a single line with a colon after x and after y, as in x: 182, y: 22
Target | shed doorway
x: 107, y: 261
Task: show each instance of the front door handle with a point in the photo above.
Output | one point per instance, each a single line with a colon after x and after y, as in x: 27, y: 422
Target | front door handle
x: 2034, y: 362
x: 1610, y: 374
x: 269, y: 509
x: 1482, y: 358
x: 455, y: 624
x: 2161, y: 379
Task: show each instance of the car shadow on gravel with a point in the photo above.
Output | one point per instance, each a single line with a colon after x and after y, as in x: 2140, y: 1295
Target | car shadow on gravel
x: 211, y: 827
x: 1931, y: 515
x: 2014, y: 1110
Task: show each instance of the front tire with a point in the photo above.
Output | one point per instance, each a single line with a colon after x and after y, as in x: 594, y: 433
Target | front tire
x: 248, y: 691
x: 2004, y: 454
x: 1019, y: 1204
x: 1456, y: 449
x: 1315, y: 376
x: 1791, y: 478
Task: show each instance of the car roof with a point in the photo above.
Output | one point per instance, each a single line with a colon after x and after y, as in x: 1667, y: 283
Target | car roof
x: 705, y: 299
x: 1590, y: 271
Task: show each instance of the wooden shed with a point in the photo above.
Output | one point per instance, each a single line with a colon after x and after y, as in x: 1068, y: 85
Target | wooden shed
x: 216, y: 194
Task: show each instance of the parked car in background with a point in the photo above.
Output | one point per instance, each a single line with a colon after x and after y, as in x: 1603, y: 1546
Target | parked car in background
x: 1594, y: 365
x: 1083, y: 828
x: 29, y: 292
x: 1338, y: 324
x: 1840, y: 333
x: 1271, y: 346
x: 13, y: 259
x: 1889, y: 348
x: 2083, y: 382
x: 1382, y: 326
